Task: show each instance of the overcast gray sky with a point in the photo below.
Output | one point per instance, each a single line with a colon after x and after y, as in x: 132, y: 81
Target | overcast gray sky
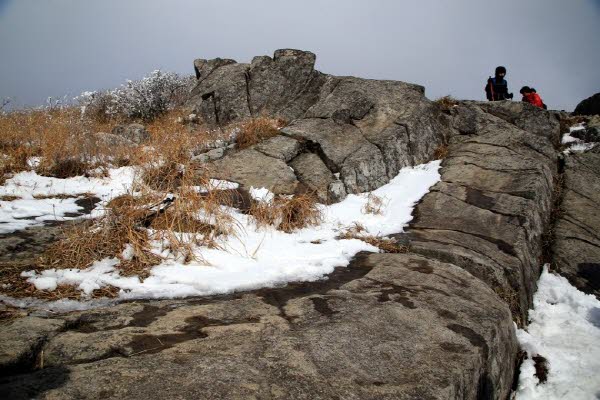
x: 63, y: 47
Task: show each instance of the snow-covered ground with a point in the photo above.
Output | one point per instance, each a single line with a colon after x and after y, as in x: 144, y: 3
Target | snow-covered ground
x: 565, y: 329
x: 252, y: 257
x: 35, y: 202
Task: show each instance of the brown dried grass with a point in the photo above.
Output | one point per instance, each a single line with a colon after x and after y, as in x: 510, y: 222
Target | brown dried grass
x: 440, y: 152
x: 62, y: 139
x: 386, y: 245
x: 68, y: 147
x: 256, y: 130
x: 446, y: 103
x: 9, y: 198
x: 374, y: 205
x: 287, y: 213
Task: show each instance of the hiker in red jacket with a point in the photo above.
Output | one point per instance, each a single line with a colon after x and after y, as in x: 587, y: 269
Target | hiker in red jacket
x: 530, y: 96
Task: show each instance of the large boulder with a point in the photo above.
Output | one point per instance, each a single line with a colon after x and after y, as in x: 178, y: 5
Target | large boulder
x: 314, y: 174
x: 203, y: 68
x: 253, y: 168
x: 577, y: 232
x: 492, y: 207
x: 589, y: 106
x: 526, y: 116
x: 392, y: 326
x: 365, y: 130
x: 284, y: 86
x: 281, y: 147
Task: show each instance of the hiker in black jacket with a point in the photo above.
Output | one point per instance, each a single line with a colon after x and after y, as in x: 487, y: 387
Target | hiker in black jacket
x: 497, y: 87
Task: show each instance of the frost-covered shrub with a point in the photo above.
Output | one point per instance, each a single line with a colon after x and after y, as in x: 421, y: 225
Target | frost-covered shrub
x: 144, y: 99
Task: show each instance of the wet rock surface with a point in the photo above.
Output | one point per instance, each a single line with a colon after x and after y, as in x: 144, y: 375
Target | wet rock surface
x: 577, y: 241
x: 378, y: 329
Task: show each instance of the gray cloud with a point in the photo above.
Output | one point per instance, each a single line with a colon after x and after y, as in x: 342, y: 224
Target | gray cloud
x: 57, y: 47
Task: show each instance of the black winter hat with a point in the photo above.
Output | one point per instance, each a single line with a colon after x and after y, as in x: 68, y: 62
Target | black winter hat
x: 525, y: 89
x: 500, y: 70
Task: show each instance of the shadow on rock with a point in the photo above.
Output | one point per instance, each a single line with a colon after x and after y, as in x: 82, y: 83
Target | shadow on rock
x: 30, y: 386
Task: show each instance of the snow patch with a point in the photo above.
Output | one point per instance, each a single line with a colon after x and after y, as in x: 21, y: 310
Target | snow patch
x: 253, y: 257
x: 36, y: 202
x: 565, y: 329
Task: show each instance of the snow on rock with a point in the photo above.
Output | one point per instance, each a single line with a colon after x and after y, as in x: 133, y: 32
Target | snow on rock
x: 264, y: 257
x: 576, y: 145
x: 565, y: 329
x: 261, y: 194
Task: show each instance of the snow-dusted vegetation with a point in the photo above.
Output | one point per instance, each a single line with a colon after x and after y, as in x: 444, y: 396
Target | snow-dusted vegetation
x: 144, y: 99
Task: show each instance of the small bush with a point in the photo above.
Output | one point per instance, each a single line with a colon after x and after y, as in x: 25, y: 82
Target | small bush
x: 440, y: 152
x: 446, y: 103
x: 287, y: 213
x: 298, y: 212
x: 374, y: 205
x: 145, y: 99
x: 256, y: 130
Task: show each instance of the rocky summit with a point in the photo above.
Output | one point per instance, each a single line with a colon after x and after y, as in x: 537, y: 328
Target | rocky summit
x: 362, y: 131
x: 434, y: 322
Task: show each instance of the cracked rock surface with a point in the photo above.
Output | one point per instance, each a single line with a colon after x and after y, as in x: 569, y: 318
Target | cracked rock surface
x: 493, y: 204
x: 577, y: 242
x: 366, y: 130
x: 379, y: 329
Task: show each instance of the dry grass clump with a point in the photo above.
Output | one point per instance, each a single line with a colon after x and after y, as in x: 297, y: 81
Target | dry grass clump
x: 440, y: 152
x: 386, y: 245
x: 374, y: 205
x: 85, y: 243
x: 12, y: 162
x: 287, y: 213
x: 298, y: 212
x: 446, y: 103
x: 511, y: 297
x: 60, y: 137
x: 256, y: 130
x: 9, y: 198
x: 139, y: 226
